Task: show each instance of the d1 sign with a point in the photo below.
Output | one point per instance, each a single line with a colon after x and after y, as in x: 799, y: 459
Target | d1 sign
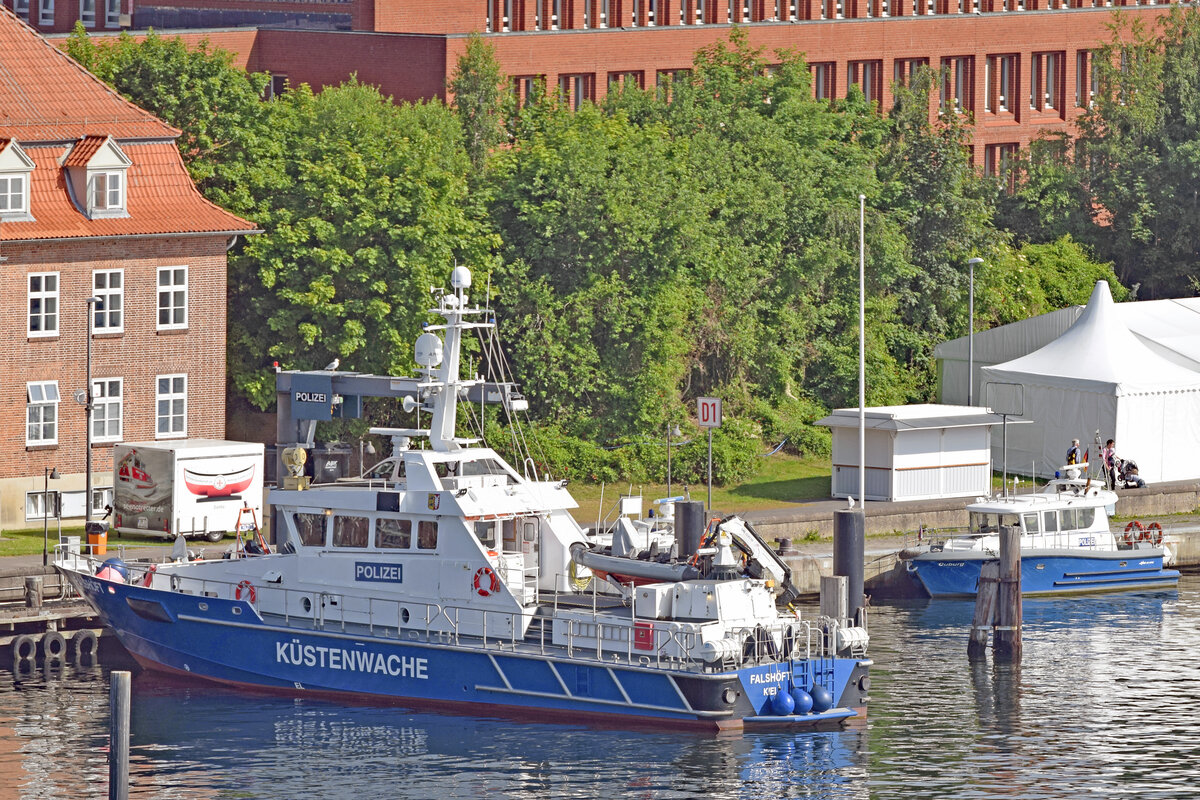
x: 708, y: 412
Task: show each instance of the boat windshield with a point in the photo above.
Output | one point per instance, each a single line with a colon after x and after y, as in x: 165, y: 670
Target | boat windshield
x: 990, y: 523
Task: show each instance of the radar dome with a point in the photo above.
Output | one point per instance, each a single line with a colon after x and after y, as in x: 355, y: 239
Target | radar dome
x: 460, y: 278
x: 429, y: 350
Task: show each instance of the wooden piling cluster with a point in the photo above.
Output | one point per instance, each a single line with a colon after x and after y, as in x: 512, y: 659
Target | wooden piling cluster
x: 998, y: 603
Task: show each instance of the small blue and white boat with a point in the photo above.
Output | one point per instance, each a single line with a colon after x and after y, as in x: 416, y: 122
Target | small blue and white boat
x: 1067, y: 546
x: 448, y: 579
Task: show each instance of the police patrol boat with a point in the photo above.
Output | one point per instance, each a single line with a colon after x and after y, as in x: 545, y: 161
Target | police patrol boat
x: 451, y: 580
x: 1067, y: 545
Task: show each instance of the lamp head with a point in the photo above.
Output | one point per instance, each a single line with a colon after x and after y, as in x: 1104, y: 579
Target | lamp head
x: 973, y: 261
x: 53, y: 474
x: 94, y: 300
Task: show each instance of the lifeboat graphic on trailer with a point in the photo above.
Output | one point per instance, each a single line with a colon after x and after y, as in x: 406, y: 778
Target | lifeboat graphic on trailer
x: 219, y: 484
x: 132, y: 472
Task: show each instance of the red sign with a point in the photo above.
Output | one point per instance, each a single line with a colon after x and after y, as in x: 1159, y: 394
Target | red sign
x: 708, y: 412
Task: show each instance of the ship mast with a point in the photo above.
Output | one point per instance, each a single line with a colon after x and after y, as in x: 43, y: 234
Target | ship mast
x: 445, y: 384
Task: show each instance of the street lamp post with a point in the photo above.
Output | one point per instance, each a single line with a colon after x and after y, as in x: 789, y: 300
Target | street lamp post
x: 971, y: 328
x: 47, y: 474
x: 87, y: 450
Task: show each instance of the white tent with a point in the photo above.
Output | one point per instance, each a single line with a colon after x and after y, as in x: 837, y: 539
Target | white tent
x: 1099, y: 377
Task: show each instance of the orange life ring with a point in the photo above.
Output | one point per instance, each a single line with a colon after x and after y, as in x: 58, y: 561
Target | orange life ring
x: 486, y: 582
x: 1133, y: 533
x: 149, y: 579
x: 248, y: 588
x: 1153, y: 534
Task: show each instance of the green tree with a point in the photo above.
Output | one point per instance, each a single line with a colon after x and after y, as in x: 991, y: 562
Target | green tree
x: 481, y: 100
x: 226, y: 128
x: 367, y: 210
x: 1139, y: 154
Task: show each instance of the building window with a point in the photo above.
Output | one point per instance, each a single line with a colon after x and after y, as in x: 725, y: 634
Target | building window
x: 998, y: 163
x: 622, y: 80
x: 13, y: 193
x: 823, y: 81
x: 528, y: 89
x: 41, y: 413
x: 43, y: 304
x: 107, y: 192
x: 21, y: 8
x: 87, y: 13
x: 1043, y: 83
x: 868, y: 76
x: 112, y: 13
x: 102, y: 497
x: 999, y: 78
x: 903, y: 69
x: 575, y: 89
x: 172, y: 297
x: 277, y: 86
x: 106, y: 410
x: 45, y: 12
x: 39, y: 505
x: 957, y: 77
x: 108, y: 285
x: 170, y: 401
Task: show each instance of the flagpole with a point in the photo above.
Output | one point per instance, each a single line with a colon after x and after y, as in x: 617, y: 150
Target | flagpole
x: 862, y: 349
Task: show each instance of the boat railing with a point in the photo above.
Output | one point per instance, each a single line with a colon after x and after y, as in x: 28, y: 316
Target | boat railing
x: 590, y: 631
x: 937, y: 539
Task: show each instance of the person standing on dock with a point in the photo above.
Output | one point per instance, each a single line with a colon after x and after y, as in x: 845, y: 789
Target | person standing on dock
x: 1109, y: 457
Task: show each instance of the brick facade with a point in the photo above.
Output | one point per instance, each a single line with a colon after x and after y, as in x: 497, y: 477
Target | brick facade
x: 137, y: 356
x: 578, y: 40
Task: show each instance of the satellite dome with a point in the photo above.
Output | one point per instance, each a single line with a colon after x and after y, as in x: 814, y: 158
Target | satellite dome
x: 429, y: 350
x: 460, y: 278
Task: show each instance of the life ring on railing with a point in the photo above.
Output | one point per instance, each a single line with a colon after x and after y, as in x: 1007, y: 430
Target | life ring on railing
x: 1153, y: 534
x: 1133, y: 533
x: 149, y: 579
x: 486, y: 582
x: 248, y: 588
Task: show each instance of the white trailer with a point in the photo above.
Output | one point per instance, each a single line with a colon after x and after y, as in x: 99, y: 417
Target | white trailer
x: 193, y: 487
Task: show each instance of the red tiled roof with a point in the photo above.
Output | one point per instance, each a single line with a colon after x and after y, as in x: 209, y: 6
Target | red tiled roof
x: 160, y: 199
x: 83, y: 151
x: 47, y: 96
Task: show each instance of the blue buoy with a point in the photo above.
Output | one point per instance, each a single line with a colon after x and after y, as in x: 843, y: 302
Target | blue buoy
x: 802, y: 700
x: 782, y: 703
x: 822, y: 700
x: 113, y: 569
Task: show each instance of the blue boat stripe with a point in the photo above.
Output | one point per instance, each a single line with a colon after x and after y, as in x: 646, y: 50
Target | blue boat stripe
x: 612, y: 674
x: 1132, y: 579
x: 1155, y: 570
x: 558, y: 677
x: 685, y: 712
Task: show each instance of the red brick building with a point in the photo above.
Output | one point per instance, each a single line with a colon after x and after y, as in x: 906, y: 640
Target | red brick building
x: 99, y: 221
x: 1022, y: 66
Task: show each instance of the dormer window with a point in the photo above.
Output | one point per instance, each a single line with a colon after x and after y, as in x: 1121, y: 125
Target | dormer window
x: 16, y: 169
x: 97, y: 168
x: 107, y: 192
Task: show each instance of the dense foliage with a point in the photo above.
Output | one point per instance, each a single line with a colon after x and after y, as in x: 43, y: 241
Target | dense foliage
x: 697, y: 239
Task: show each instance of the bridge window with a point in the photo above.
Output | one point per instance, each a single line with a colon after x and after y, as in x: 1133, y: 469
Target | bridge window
x: 393, y: 533
x: 310, y: 528
x: 351, y: 531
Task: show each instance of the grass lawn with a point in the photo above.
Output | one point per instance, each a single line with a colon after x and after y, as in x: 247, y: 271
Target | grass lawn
x: 29, y: 542
x: 782, y: 481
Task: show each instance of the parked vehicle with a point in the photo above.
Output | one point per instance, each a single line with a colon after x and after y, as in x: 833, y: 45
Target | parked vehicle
x: 190, y: 487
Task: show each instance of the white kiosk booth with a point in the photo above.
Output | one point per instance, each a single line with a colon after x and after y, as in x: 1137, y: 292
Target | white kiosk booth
x: 916, y: 452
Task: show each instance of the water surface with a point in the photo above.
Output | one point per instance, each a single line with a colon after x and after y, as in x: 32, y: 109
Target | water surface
x: 1105, y: 702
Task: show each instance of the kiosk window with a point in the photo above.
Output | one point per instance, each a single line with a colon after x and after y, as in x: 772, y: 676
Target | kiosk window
x: 395, y: 533
x: 311, y: 528
x: 427, y: 535
x: 351, y: 531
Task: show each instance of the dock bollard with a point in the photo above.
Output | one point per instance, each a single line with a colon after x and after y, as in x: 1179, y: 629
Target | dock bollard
x: 33, y: 591
x: 118, y: 752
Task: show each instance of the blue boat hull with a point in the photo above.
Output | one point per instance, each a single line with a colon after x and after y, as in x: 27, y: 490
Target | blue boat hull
x: 226, y: 641
x: 1046, y: 572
